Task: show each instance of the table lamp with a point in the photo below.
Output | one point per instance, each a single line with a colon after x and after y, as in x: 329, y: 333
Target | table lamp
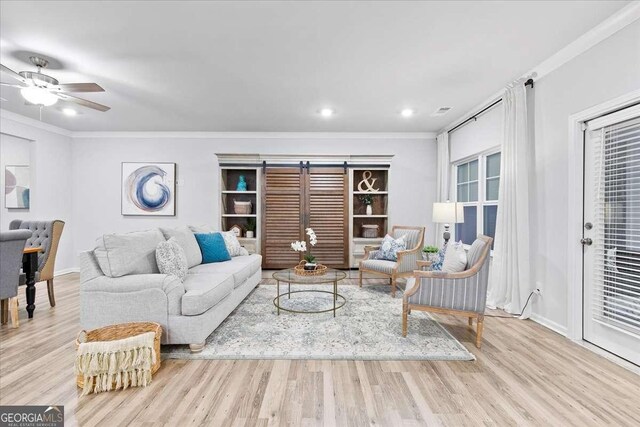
x: 448, y: 213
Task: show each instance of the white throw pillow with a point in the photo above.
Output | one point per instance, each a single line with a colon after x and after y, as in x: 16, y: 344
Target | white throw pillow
x: 233, y: 245
x: 455, y: 259
x: 171, y: 258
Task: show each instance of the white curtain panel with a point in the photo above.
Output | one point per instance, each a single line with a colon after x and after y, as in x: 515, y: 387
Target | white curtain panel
x: 443, y: 169
x: 509, y: 284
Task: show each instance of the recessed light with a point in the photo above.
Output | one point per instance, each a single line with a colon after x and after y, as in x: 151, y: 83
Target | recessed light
x: 408, y: 112
x: 327, y: 112
x: 69, y: 111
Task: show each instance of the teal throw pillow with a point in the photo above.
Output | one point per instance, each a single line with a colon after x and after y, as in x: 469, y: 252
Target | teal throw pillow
x: 212, y: 247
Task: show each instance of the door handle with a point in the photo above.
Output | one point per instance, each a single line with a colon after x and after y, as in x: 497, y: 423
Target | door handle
x: 586, y: 242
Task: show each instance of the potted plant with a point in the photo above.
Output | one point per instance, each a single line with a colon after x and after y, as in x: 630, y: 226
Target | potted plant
x: 430, y: 253
x: 367, y: 199
x: 301, y: 246
x: 251, y: 227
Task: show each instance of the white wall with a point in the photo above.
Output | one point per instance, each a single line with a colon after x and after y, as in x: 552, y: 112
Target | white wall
x: 96, y: 177
x: 51, y: 197
x: 14, y: 151
x: 606, y: 71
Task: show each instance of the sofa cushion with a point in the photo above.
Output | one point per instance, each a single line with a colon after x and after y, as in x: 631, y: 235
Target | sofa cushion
x: 185, y: 238
x: 212, y: 247
x: 379, y: 265
x: 203, y: 228
x: 240, y: 267
x: 204, y: 291
x: 128, y: 253
x: 171, y: 259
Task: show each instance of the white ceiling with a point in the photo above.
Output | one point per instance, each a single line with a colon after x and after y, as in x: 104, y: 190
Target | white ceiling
x: 269, y: 66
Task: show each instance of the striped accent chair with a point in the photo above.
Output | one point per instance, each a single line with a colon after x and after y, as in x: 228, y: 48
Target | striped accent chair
x: 463, y: 293
x: 407, y: 259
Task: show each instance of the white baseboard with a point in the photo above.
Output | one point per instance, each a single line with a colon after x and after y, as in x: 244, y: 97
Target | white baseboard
x: 66, y: 271
x: 562, y: 330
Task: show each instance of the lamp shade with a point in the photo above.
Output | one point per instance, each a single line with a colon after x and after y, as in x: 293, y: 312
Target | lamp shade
x: 448, y: 213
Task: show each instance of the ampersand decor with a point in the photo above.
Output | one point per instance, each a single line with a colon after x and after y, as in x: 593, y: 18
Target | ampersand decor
x: 368, y: 182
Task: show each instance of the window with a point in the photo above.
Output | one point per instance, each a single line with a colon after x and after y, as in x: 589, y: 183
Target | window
x: 477, y: 186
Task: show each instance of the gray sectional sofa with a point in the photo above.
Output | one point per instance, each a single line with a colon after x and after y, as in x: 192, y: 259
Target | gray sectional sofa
x: 120, y: 282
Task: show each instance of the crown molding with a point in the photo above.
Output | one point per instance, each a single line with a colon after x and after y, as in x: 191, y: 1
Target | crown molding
x: 258, y: 135
x: 616, y: 22
x: 9, y: 115
x: 213, y: 135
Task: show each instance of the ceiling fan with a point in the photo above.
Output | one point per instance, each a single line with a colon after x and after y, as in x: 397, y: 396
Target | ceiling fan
x: 41, y: 89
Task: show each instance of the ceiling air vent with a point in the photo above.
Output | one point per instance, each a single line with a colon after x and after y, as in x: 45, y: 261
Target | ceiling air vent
x: 441, y: 111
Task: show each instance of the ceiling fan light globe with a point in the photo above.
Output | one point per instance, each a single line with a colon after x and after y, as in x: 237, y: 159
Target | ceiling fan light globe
x: 38, y: 96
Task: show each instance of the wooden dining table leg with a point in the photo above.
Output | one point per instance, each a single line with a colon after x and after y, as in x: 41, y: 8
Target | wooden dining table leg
x: 30, y: 266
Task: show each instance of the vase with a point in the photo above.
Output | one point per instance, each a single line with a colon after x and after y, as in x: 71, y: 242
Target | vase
x: 369, y: 210
x: 433, y: 257
x: 310, y: 266
x: 249, y: 234
x: 242, y: 184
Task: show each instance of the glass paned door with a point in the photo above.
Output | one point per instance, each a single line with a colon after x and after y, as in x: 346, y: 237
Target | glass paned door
x: 611, y: 315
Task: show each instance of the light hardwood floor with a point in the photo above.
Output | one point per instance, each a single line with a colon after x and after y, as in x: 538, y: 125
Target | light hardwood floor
x: 525, y: 374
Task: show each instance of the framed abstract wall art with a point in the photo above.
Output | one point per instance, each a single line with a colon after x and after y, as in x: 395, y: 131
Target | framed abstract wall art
x: 148, y: 189
x: 17, y: 187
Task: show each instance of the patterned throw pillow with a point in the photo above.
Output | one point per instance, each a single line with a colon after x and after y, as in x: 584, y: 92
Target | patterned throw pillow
x: 437, y: 264
x: 233, y: 245
x: 171, y: 259
x: 389, y: 248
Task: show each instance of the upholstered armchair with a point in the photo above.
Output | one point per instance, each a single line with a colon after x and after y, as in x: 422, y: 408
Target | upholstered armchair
x: 11, y: 247
x: 463, y: 293
x: 407, y: 259
x: 46, y: 235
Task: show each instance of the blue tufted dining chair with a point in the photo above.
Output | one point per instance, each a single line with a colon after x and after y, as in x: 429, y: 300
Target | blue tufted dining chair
x: 46, y: 235
x: 11, y: 247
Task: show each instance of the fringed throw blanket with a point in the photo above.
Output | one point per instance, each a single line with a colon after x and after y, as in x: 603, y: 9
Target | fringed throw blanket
x: 110, y: 365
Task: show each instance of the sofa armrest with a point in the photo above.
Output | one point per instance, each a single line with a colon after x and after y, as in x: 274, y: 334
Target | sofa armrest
x: 136, y: 282
x: 136, y: 290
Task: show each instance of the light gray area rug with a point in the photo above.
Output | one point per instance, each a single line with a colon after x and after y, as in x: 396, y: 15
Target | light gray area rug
x: 368, y: 327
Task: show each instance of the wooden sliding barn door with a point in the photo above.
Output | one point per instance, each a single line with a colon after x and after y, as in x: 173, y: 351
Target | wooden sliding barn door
x: 297, y: 198
x: 283, y: 190
x: 327, y: 213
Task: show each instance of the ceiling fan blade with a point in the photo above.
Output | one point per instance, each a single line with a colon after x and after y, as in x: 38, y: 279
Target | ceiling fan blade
x: 11, y: 85
x: 77, y: 87
x: 13, y: 74
x: 83, y: 102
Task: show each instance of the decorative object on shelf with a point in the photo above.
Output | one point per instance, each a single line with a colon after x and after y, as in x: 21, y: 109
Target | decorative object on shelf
x: 367, y: 199
x: 430, y: 253
x: 16, y: 187
x: 448, y: 213
x: 242, y: 207
x: 242, y: 184
x: 303, y: 269
x: 301, y: 246
x: 236, y: 229
x: 139, y: 342
x: 370, y: 231
x: 148, y: 189
x: 251, y: 228
x: 368, y: 182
